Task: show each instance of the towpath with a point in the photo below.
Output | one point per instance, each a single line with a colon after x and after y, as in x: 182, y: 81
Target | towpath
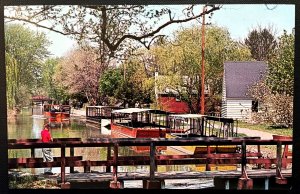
x: 256, y: 133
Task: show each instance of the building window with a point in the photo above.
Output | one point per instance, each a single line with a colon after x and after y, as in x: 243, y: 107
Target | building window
x: 254, y: 106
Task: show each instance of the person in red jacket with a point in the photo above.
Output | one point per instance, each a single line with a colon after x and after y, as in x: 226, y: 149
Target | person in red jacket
x: 47, y: 152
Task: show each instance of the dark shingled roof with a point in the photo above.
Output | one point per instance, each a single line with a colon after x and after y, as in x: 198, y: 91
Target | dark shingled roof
x: 239, y: 76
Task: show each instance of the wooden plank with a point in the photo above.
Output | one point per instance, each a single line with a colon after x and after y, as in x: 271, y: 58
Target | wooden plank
x: 104, y: 142
x: 77, y: 162
x: 39, y: 140
x: 132, y: 162
x: 38, y: 162
x: 103, y: 176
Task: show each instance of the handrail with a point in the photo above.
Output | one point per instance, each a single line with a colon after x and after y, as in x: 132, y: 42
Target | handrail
x: 153, y: 159
x: 104, y: 142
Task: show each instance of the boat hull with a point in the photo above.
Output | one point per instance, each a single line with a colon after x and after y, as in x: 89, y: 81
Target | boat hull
x: 57, y: 116
x: 120, y: 131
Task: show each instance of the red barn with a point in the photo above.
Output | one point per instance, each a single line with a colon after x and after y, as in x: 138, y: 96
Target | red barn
x: 171, y: 103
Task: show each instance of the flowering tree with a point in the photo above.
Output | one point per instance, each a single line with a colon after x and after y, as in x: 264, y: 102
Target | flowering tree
x: 80, y: 72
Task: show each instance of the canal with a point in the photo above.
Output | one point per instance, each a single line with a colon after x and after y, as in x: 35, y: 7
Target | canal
x: 26, y: 125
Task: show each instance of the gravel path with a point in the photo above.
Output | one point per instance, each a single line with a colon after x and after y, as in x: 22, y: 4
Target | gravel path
x: 256, y: 133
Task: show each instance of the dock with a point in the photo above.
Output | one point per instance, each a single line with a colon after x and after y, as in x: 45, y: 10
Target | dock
x: 264, y: 179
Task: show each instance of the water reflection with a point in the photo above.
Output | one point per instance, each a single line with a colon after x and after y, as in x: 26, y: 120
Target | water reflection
x: 27, y: 126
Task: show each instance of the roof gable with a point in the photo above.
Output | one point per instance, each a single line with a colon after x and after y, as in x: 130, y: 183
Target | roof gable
x: 239, y: 76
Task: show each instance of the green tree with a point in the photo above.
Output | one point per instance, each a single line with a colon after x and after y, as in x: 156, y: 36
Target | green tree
x: 262, y: 43
x: 51, y: 84
x: 110, y: 83
x: 25, y: 51
x: 281, y: 67
x: 130, y: 88
x: 276, y: 93
x: 179, y: 61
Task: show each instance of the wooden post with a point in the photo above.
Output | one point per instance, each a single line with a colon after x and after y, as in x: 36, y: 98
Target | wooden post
x: 87, y: 167
x: 152, y: 183
x: 258, y: 151
x: 244, y: 182
x: 208, y: 165
x: 32, y: 153
x: 115, y: 184
x: 108, y: 156
x: 115, y: 159
x: 63, y: 162
x: 278, y: 157
x: 33, y: 156
x: 152, y: 161
x: 72, y: 154
x: 285, y: 156
x: 279, y: 178
x: 244, y: 160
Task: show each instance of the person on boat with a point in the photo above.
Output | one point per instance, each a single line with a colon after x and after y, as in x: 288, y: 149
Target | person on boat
x: 47, y: 152
x: 61, y: 108
x: 52, y: 109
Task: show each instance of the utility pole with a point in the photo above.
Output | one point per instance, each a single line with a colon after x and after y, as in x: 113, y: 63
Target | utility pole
x: 202, y: 104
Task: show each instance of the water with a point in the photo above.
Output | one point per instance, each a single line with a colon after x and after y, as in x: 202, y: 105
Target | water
x: 30, y: 126
x: 27, y: 126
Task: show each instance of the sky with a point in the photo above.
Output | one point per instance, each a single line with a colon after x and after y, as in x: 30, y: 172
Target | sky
x: 239, y: 19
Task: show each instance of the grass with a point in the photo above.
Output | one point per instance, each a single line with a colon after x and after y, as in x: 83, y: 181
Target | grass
x: 267, y: 128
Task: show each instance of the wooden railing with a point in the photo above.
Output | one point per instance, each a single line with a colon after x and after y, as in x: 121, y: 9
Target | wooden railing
x: 243, y: 157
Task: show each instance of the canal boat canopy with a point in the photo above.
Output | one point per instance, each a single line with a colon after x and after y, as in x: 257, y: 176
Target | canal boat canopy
x: 41, y: 100
x: 95, y: 114
x: 198, y: 125
x: 189, y: 125
x: 140, y: 117
x: 139, y: 123
x: 100, y: 112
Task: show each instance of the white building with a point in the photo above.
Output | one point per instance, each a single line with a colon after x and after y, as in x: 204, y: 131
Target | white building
x: 237, y: 78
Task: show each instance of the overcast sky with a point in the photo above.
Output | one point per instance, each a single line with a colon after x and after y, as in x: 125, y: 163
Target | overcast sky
x: 239, y: 19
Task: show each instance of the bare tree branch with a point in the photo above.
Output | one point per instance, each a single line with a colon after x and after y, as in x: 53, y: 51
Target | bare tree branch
x: 110, y: 25
x: 139, y: 38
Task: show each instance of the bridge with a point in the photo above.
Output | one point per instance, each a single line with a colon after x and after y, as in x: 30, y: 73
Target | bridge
x: 242, y: 178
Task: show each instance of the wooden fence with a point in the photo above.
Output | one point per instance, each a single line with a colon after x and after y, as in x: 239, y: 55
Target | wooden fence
x: 153, y: 159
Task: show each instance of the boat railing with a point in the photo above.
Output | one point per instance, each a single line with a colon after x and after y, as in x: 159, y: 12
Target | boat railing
x: 57, y: 108
x: 100, y: 112
x: 220, y: 126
